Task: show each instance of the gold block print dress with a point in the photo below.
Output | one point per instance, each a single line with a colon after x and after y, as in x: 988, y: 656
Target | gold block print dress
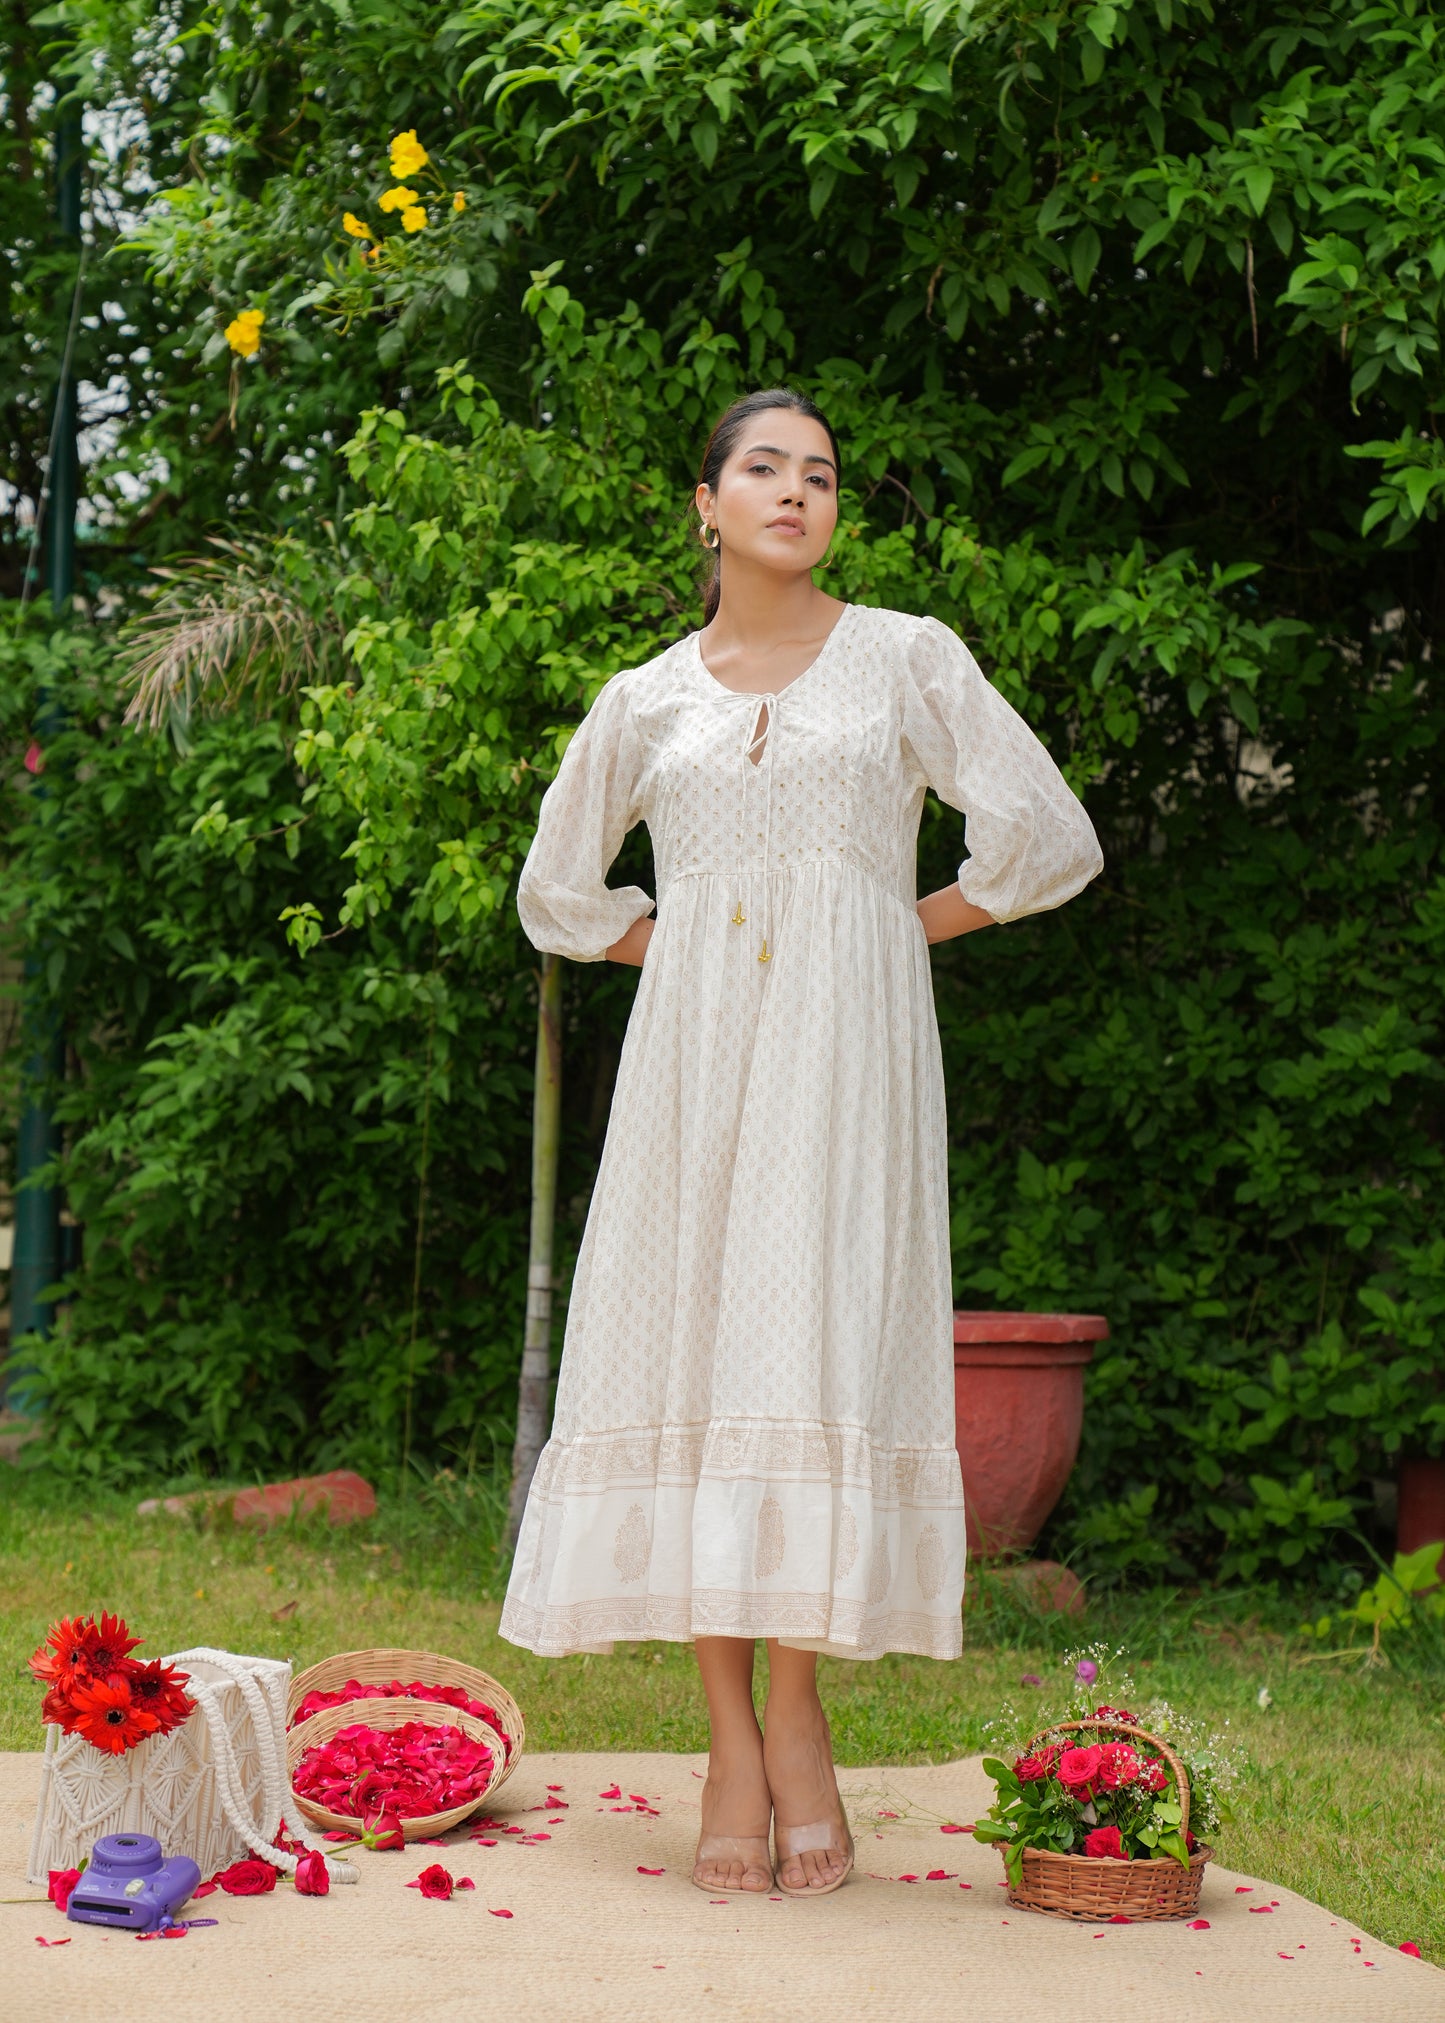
x: 754, y: 1427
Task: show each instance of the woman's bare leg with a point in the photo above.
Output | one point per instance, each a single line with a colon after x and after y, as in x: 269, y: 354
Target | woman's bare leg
x: 798, y: 1759
x: 736, y: 1809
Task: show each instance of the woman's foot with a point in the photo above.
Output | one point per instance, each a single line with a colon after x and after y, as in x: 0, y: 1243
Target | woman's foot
x: 810, y: 1829
x: 732, y: 1850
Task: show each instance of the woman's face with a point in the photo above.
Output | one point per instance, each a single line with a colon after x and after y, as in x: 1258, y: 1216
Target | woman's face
x: 777, y: 495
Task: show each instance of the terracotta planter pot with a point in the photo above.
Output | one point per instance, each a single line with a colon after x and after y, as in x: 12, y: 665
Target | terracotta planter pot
x: 1018, y: 1387
x: 1421, y: 1518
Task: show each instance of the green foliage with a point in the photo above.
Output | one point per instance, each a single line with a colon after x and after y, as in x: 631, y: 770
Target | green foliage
x: 1129, y: 318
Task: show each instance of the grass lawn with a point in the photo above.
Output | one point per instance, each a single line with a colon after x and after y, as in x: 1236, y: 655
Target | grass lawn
x: 1346, y: 1800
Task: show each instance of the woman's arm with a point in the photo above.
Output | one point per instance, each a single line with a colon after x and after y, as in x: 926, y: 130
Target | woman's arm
x: 947, y: 913
x: 633, y: 945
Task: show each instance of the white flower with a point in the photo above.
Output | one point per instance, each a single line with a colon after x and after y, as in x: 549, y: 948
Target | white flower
x: 1263, y: 1699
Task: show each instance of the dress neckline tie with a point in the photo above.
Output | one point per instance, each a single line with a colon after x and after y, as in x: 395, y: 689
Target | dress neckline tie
x: 760, y: 738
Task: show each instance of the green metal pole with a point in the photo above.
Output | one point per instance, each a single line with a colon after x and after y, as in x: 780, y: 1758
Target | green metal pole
x: 36, y: 1262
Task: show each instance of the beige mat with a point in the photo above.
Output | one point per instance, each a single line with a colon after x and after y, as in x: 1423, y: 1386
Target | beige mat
x: 593, y: 1934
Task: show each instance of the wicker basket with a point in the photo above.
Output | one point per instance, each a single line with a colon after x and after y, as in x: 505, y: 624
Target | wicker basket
x: 387, y: 1714
x: 1093, y: 1891
x: 426, y: 1668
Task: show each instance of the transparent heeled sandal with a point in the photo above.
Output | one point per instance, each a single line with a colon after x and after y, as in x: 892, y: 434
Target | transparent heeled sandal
x: 751, y: 1849
x: 790, y: 1841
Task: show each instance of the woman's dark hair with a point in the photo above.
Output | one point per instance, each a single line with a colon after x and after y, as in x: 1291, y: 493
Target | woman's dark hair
x: 728, y: 431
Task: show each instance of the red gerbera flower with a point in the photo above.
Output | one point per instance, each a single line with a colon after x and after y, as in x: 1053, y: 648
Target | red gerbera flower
x: 65, y: 1654
x: 111, y: 1642
x: 107, y: 1716
x: 78, y: 1648
x: 160, y: 1689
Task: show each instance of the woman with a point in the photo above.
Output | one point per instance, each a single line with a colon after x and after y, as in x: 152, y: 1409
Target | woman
x: 754, y: 1430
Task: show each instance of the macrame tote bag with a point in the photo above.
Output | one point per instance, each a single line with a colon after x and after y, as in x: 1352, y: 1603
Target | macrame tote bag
x: 216, y: 1788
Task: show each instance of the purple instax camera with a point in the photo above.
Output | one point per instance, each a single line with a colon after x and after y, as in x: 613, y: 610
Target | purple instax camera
x: 129, y: 1882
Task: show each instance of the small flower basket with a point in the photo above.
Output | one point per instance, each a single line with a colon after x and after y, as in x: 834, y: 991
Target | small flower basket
x: 350, y: 1671
x: 1095, y: 1889
x: 1093, y: 1814
x: 385, y: 1716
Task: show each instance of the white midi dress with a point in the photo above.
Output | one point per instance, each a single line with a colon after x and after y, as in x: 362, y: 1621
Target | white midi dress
x: 754, y: 1424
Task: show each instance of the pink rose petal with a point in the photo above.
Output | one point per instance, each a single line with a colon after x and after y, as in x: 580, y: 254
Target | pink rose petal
x: 1199, y: 1925
x: 1412, y: 1949
x: 650, y: 1871
x: 499, y: 1914
x: 463, y: 1882
x: 50, y: 1942
x: 1119, y: 1919
x: 615, y: 1792
x: 1243, y: 1889
x: 908, y: 1878
x: 940, y: 1875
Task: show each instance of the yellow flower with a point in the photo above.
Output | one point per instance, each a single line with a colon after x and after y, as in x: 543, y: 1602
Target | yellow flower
x: 459, y: 202
x: 407, y: 155
x: 414, y: 218
x: 352, y: 224
x: 243, y: 333
x: 398, y: 199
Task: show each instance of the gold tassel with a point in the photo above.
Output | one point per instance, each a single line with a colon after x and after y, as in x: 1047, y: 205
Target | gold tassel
x: 739, y: 917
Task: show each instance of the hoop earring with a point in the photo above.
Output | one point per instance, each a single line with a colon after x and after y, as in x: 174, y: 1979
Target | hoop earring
x: 704, y: 530
x: 827, y: 561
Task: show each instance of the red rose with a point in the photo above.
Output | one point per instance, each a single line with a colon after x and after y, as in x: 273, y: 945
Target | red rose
x: 313, y: 1879
x: 1189, y: 1841
x: 434, y: 1882
x: 382, y: 1831
x: 1077, y: 1770
x: 1153, y: 1776
x: 1118, y: 1764
x: 1119, y: 1714
x: 1029, y: 1769
x: 1105, y: 1844
x: 250, y: 1878
x: 62, y: 1882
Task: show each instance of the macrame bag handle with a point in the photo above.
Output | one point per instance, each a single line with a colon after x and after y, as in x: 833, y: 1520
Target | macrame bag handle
x: 267, y: 1707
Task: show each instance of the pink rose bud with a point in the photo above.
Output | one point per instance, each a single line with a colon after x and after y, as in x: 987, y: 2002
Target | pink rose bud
x: 312, y: 1877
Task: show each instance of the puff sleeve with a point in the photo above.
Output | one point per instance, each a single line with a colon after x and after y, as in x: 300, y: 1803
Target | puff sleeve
x: 1031, y: 845
x: 563, y: 900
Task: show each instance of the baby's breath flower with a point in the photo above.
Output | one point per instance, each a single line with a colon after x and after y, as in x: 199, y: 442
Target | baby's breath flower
x: 352, y: 224
x: 414, y: 218
x: 407, y: 155
x: 398, y: 198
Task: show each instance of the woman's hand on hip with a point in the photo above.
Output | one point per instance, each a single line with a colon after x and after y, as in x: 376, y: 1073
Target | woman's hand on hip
x: 633, y: 945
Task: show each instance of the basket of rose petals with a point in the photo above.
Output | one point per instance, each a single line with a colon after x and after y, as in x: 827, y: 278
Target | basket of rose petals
x: 410, y: 1675
x: 1093, y: 1816
x: 352, y: 1767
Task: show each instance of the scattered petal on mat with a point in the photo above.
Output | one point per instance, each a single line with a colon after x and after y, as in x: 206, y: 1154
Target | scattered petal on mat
x: 499, y: 1914
x: 1198, y: 1925
x: 463, y: 1882
x: 556, y: 1787
x: 1119, y: 1919
x: 209, y: 1889
x: 650, y: 1871
x: 1243, y: 1889
x: 614, y: 1792
x: 1412, y: 1949
x: 888, y: 1815
x: 908, y: 1878
x: 483, y: 1843
x: 940, y: 1875
x: 50, y: 1942
x: 1259, y: 1910
x: 557, y: 1804
x: 965, y: 1886
x: 1284, y: 1956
